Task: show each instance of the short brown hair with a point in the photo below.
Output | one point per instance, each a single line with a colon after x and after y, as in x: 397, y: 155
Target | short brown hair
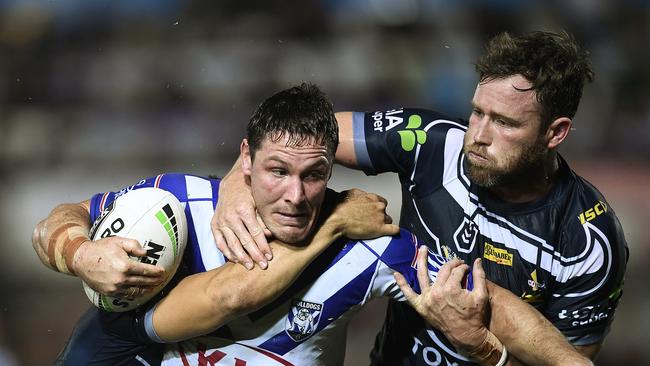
x: 302, y: 113
x: 554, y: 63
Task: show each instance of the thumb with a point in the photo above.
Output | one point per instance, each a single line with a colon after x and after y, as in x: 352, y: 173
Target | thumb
x: 480, y: 282
x: 391, y: 229
x: 133, y: 247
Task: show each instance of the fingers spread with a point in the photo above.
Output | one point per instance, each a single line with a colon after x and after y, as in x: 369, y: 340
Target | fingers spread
x: 262, y: 243
x: 408, y: 292
x: 445, y: 271
x: 457, y: 276
x: 236, y: 248
x: 223, y: 246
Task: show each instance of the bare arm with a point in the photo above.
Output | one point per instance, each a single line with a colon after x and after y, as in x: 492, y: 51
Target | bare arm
x: 345, y: 154
x: 527, y: 333
x: 222, y: 294
x: 57, y: 237
x: 460, y: 315
x: 225, y: 293
x: 61, y: 242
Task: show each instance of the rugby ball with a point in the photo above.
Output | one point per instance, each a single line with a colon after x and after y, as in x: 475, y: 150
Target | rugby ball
x: 156, y: 219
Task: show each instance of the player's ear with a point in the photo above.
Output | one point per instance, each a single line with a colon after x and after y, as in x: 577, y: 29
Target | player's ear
x: 246, y: 159
x: 557, y: 131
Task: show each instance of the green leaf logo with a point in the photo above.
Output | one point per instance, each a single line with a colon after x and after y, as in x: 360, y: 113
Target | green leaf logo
x: 412, y: 134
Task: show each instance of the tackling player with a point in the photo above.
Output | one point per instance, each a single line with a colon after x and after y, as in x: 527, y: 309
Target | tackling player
x: 493, y: 188
x: 287, y: 160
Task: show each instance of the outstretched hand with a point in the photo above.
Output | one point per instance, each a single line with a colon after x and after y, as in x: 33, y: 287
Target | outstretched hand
x: 105, y: 266
x: 460, y: 314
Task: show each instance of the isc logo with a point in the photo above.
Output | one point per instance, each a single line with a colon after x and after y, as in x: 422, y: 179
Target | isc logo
x: 592, y: 213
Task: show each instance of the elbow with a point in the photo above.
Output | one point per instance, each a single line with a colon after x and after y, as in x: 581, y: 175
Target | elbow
x: 229, y: 302
x: 39, y: 247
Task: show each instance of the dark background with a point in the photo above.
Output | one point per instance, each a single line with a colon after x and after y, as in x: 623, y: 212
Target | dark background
x: 97, y: 94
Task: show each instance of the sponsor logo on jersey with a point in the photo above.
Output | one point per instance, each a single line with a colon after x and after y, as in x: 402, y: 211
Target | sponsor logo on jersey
x: 598, y: 209
x: 303, y: 319
x: 124, y: 190
x: 412, y: 135
x: 465, y: 236
x: 220, y: 352
x: 498, y: 255
x: 385, y: 121
x: 448, y: 254
x: 532, y: 282
x: 536, y: 293
x: 585, y: 315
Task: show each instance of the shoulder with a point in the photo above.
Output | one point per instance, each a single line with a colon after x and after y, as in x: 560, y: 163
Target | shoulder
x: 187, y: 187
x: 592, y: 242
x: 409, y: 119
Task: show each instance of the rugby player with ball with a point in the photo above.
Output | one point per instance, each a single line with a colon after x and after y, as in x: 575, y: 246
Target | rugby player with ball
x: 296, y: 311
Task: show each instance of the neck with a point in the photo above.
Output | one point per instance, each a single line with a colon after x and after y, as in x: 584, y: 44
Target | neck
x: 531, y: 184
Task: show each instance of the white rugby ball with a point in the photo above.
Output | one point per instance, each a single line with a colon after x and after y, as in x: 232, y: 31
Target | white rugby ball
x: 156, y: 219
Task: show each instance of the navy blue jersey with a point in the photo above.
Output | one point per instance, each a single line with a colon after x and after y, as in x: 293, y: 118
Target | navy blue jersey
x: 565, y: 253
x: 305, y: 325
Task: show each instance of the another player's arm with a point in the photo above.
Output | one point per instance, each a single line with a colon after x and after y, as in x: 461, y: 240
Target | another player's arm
x: 528, y: 335
x: 345, y: 154
x: 203, y: 302
x: 62, y: 243
x: 459, y: 314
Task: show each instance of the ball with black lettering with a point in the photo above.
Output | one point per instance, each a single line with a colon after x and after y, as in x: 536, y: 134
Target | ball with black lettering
x: 153, y: 217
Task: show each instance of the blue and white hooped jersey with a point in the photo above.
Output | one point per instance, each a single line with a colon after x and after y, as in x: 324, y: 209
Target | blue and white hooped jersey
x: 307, y: 324
x: 199, y: 197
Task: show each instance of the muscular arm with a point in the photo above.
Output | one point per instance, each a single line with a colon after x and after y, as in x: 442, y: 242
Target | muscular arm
x: 62, y: 243
x: 57, y: 237
x: 203, y: 302
x: 460, y: 315
x: 345, y: 154
x: 527, y: 333
x: 227, y: 292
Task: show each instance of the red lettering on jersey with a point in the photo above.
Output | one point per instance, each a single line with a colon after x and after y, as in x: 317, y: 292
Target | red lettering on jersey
x: 211, y: 359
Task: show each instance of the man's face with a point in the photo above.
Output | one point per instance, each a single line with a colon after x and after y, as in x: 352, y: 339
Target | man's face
x: 288, y: 185
x: 504, y: 141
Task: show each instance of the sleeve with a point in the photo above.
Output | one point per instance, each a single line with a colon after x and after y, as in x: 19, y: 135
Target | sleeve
x: 392, y: 140
x: 171, y: 182
x: 588, y: 279
x: 401, y: 256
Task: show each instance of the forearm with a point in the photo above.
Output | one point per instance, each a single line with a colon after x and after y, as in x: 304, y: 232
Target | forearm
x: 204, y: 302
x: 527, y: 335
x: 57, y: 238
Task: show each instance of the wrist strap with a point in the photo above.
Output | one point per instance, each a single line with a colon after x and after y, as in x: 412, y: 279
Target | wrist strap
x: 504, y: 357
x: 63, y: 245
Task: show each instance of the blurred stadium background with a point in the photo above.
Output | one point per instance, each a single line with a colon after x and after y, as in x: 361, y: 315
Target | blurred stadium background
x: 96, y: 94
